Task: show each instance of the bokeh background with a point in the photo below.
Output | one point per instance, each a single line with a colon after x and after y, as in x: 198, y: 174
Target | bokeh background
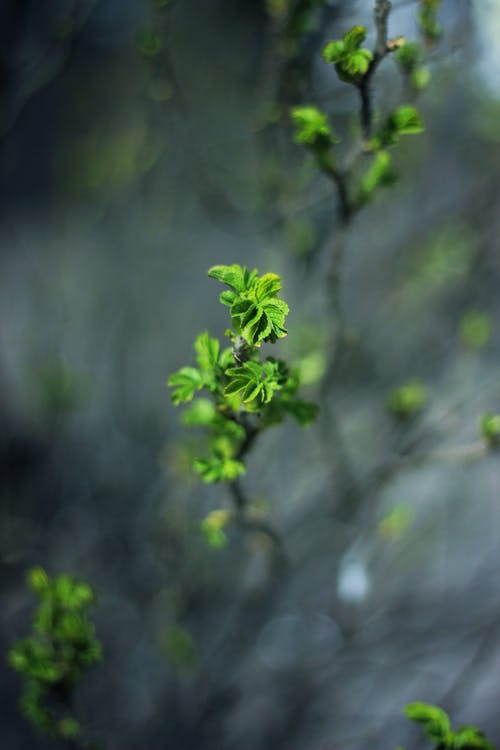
x: 140, y: 144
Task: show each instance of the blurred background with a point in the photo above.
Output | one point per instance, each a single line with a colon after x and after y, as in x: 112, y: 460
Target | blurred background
x: 140, y: 144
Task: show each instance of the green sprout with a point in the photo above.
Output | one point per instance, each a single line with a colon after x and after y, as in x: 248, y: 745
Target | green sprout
x: 243, y: 392
x: 437, y: 727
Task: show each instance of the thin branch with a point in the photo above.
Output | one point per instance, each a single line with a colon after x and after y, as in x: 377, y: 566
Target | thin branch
x: 381, y: 13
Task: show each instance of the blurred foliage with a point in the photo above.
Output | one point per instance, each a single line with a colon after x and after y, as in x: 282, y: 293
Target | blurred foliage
x: 178, y: 647
x: 103, y: 161
x: 407, y: 401
x: 58, y: 389
x: 489, y: 426
x: 213, y: 528
x: 395, y: 523
x: 445, y: 259
x: 475, y: 329
x: 53, y: 659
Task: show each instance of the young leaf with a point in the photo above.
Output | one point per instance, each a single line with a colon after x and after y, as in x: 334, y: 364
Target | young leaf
x: 351, y: 61
x: 236, y: 276
x: 185, y: 382
x: 354, y: 38
x: 434, y: 720
x: 407, y: 120
x: 312, y: 128
x: 470, y: 737
x: 217, y: 469
x: 378, y: 174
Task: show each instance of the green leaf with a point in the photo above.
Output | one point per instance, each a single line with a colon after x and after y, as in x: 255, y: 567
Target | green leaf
x: 267, y: 286
x: 470, y: 737
x: 333, y: 51
x: 435, y: 721
x: 354, y: 38
x: 186, y: 382
x: 207, y: 350
x: 357, y: 63
x: 312, y: 128
x: 378, y: 174
x: 350, y: 59
x: 254, y: 382
x: 236, y: 276
x: 217, y: 469
x: 407, y: 120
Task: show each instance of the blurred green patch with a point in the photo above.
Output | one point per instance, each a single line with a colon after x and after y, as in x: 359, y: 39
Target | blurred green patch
x: 178, y: 647
x: 107, y: 160
x: 148, y: 43
x: 446, y: 258
x: 489, y: 427
x: 212, y: 527
x: 394, y: 525
x: 407, y: 401
x: 475, y: 329
x: 57, y: 388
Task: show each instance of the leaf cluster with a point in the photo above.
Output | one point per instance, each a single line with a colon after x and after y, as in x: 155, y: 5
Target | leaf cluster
x: 437, y: 727
x: 243, y: 392
x: 61, y: 646
x: 405, y: 120
x: 351, y: 60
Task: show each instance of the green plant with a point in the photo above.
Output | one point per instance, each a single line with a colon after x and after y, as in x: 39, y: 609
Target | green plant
x: 437, y: 727
x: 54, y: 657
x: 244, y: 392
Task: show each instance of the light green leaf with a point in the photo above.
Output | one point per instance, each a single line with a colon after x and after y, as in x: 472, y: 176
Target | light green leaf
x: 216, y: 469
x: 354, y: 38
x: 312, y: 128
x: 435, y: 721
x: 236, y: 276
x: 379, y: 173
x: 185, y: 382
x: 357, y: 63
x: 470, y: 737
x: 333, y: 51
x: 407, y: 120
